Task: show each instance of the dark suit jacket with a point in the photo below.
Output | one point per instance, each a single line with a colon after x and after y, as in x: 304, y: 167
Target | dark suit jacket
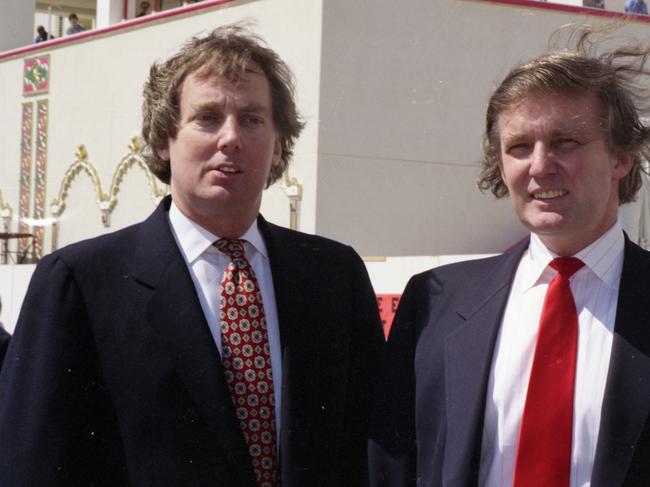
x: 4, y: 344
x: 430, y: 405
x: 113, y: 377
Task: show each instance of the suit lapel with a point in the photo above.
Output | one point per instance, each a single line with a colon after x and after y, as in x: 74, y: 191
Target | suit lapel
x: 468, y: 358
x: 290, y: 277
x: 289, y: 271
x: 627, y: 393
x: 175, y: 313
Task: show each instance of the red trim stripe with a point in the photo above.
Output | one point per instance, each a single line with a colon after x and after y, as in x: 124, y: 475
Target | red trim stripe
x: 127, y: 24
x: 550, y: 5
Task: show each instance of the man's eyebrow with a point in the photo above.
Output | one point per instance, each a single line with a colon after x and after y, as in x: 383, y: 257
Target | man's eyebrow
x: 214, y: 105
x: 581, y: 128
x: 205, y: 106
x: 584, y: 129
x: 509, y: 135
x: 254, y: 108
x: 567, y: 130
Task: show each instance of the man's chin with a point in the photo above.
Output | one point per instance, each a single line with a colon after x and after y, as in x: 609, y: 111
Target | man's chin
x: 550, y: 225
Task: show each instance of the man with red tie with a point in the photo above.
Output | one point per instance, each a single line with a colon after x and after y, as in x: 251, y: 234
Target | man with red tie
x: 203, y: 346
x: 532, y: 368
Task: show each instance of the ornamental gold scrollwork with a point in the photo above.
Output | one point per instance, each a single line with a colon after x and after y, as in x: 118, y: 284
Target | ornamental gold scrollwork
x: 105, y: 201
x: 57, y: 206
x: 133, y: 158
x: 81, y: 164
x: 293, y: 190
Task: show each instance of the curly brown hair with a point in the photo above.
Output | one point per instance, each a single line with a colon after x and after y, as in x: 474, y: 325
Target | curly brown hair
x: 611, y: 76
x: 226, y: 51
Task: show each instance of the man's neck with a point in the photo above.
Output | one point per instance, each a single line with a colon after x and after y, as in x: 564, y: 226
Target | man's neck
x: 567, y: 247
x: 227, y: 225
x: 227, y: 228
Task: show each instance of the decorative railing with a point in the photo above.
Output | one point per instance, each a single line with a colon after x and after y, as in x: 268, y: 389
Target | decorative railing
x: 589, y: 7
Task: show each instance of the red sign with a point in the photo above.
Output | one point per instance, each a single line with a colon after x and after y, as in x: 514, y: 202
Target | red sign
x: 387, y: 304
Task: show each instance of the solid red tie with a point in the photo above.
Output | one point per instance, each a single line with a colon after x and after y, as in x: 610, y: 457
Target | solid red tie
x: 246, y: 360
x: 544, y: 451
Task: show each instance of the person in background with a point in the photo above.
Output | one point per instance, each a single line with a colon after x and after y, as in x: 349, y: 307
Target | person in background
x: 42, y: 35
x: 636, y: 7
x: 204, y: 346
x: 75, y: 26
x: 532, y: 368
x: 593, y: 3
x: 144, y: 9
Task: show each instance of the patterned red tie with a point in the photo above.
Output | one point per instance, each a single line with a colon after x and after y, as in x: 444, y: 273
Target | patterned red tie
x: 247, y: 360
x: 544, y: 451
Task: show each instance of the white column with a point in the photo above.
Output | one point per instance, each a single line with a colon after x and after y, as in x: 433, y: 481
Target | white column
x: 109, y: 12
x: 17, y: 27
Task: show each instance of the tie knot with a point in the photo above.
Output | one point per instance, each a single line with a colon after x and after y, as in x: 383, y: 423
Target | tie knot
x: 566, y: 266
x: 233, y: 248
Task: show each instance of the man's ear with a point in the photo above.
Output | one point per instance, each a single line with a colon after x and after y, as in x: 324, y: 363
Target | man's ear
x: 624, y: 161
x: 277, y: 152
x: 163, y: 154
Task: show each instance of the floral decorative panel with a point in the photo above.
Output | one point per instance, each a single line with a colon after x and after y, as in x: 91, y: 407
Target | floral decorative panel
x: 25, y: 173
x: 36, y: 75
x: 40, y: 172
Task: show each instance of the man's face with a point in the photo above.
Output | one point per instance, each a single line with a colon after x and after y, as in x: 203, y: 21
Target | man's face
x: 225, y: 146
x: 562, y: 178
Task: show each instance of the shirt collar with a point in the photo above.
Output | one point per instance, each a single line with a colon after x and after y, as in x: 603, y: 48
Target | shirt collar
x: 194, y: 240
x: 604, y: 257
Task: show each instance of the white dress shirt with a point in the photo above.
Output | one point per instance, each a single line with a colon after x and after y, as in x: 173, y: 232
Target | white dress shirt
x: 595, y: 291
x: 206, y: 265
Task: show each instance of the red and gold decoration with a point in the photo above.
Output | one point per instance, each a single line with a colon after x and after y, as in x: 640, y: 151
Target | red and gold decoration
x: 36, y: 75
x: 42, y: 108
x: 25, y: 173
x: 33, y: 157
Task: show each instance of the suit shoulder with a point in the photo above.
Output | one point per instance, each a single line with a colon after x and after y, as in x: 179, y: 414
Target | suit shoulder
x: 464, y: 274
x: 308, y: 241
x: 467, y: 268
x: 101, y: 249
x: 636, y: 252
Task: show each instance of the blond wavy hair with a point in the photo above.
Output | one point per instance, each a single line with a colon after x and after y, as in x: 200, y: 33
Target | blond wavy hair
x: 613, y: 76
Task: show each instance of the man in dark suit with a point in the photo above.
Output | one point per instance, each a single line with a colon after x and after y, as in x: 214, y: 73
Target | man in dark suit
x: 458, y: 405
x: 203, y: 346
x: 4, y: 339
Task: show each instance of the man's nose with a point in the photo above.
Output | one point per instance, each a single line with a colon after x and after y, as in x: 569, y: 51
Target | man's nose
x: 542, y: 161
x: 229, y: 134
